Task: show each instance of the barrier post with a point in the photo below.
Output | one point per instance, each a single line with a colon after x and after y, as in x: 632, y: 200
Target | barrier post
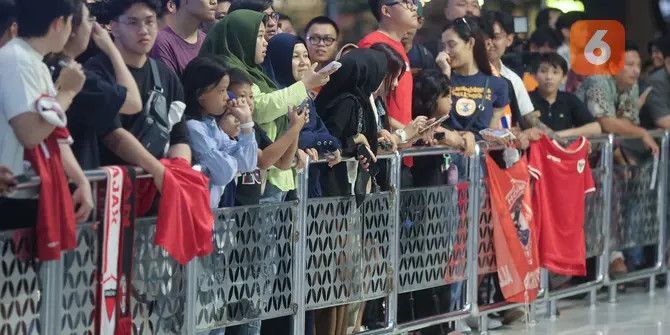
x: 472, y: 266
x: 396, y: 177
x: 607, y: 184
x: 51, y: 275
x: 190, y: 288
x: 662, y: 208
x: 300, y: 242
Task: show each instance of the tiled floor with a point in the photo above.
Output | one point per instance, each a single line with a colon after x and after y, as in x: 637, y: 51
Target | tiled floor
x: 635, y: 313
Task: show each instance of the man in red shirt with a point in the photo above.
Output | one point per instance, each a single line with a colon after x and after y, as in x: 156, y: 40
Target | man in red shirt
x: 396, y: 18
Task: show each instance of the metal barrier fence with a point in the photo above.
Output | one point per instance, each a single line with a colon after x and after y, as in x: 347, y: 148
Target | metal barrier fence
x: 639, y: 213
x: 290, y: 258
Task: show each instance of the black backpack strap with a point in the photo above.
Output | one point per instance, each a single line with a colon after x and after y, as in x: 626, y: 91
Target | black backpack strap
x: 158, y: 85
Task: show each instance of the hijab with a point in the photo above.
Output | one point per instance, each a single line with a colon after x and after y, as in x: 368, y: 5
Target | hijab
x: 362, y: 72
x: 280, y: 55
x: 234, y: 40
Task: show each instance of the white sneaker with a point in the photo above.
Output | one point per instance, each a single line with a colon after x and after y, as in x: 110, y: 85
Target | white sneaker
x: 473, y: 322
x: 462, y: 327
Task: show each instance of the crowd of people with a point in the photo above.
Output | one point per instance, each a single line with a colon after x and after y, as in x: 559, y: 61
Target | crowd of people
x: 230, y: 87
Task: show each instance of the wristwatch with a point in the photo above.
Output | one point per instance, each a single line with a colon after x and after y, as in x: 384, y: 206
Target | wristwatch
x: 402, y: 134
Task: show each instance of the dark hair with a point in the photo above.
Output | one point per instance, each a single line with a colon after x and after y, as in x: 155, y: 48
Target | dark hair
x: 116, y: 8
x: 552, y: 59
x: 490, y: 18
x: 542, y: 19
x: 78, y: 15
x: 255, y: 5
x: 200, y: 74
x: 654, y: 43
x: 7, y: 15
x: 663, y: 44
x: 100, y: 10
x: 429, y: 85
x: 544, y: 36
x: 283, y: 16
x: 632, y: 46
x: 396, y: 64
x: 376, y: 8
x: 238, y: 77
x: 566, y: 20
x: 322, y: 20
x: 467, y: 28
x: 35, y: 16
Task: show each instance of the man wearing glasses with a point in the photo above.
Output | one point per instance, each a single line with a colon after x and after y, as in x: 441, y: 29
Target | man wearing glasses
x: 396, y: 18
x: 134, y: 27
x: 322, y: 36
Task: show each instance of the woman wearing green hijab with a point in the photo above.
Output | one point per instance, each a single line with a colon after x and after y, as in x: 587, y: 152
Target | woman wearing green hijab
x: 238, y: 39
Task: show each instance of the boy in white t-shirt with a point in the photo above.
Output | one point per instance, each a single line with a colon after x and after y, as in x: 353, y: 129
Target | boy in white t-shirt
x: 31, y: 106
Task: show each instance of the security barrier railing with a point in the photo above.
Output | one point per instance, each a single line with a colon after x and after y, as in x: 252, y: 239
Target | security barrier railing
x: 639, y: 211
x: 291, y: 258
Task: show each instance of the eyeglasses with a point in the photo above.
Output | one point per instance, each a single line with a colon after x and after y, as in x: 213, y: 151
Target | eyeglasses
x: 274, y: 16
x: 409, y: 4
x: 316, y: 39
x: 151, y: 23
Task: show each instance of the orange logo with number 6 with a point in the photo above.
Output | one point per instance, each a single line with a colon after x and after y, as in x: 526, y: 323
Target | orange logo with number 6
x: 597, y: 47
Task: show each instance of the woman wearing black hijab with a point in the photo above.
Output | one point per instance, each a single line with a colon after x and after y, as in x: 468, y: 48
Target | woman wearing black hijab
x: 344, y: 106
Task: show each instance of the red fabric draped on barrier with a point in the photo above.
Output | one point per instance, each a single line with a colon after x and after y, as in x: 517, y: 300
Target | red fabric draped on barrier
x: 185, y: 221
x: 514, y: 232
x: 56, y: 225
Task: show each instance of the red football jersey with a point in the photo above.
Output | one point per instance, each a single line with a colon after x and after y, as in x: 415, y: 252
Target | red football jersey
x: 514, y: 232
x: 563, y: 178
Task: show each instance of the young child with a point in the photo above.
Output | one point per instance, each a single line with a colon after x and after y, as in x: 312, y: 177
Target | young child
x: 206, y: 89
x: 563, y: 112
x: 279, y: 154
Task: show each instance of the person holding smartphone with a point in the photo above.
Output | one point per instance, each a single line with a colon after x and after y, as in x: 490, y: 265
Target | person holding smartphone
x: 239, y: 40
x: 290, y: 56
x: 345, y: 107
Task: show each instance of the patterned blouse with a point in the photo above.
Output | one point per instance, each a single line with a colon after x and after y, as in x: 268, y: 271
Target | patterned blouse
x: 602, y: 98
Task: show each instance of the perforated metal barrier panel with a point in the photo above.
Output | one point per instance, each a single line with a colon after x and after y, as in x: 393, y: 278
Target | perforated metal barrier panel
x: 20, y: 287
x: 432, y: 243
x: 348, y: 248
x: 249, y: 275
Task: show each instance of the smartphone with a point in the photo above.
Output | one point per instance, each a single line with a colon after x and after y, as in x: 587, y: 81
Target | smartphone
x: 334, y: 65
x: 497, y: 133
x: 231, y: 95
x: 304, y: 104
x: 362, y: 150
x: 434, y: 124
x: 22, y: 179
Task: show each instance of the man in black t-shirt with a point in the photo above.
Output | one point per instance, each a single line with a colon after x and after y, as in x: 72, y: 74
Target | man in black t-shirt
x: 563, y: 112
x: 134, y: 26
x: 95, y: 107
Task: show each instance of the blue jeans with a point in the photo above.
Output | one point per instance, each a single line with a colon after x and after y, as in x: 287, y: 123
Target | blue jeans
x: 272, y: 195
x: 634, y: 257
